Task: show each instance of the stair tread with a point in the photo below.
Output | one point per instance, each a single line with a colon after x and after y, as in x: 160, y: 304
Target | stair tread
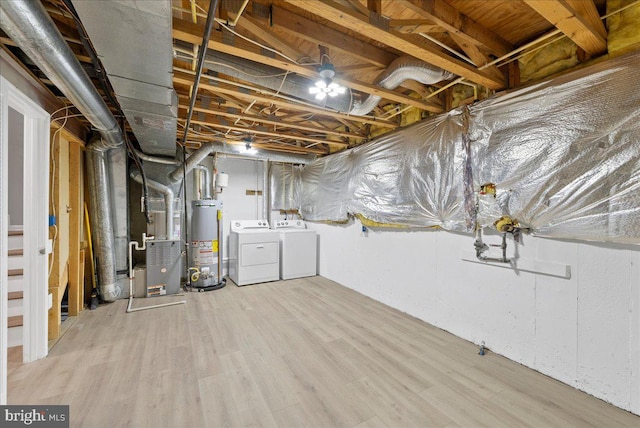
x: 15, y: 321
x: 14, y: 354
x: 15, y: 233
x: 15, y: 272
x: 17, y: 252
x: 15, y: 295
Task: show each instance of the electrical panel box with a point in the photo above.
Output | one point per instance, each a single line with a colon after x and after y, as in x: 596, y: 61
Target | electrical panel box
x: 164, y: 259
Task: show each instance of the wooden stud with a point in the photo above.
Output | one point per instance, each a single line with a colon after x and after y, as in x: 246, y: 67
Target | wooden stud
x: 76, y: 285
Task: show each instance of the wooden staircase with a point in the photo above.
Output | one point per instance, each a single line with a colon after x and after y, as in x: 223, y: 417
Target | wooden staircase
x: 15, y: 286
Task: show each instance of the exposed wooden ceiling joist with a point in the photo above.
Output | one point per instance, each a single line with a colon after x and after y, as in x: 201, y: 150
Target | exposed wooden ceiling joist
x: 276, y: 123
x: 316, y: 33
x: 214, y: 122
x: 190, y: 33
x: 185, y: 77
x: 455, y: 22
x: 577, y: 22
x: 408, y: 44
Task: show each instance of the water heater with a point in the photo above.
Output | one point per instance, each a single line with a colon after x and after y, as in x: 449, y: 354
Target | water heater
x: 205, y: 267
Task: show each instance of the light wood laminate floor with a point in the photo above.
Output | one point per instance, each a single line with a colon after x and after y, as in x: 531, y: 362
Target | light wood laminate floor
x: 298, y: 353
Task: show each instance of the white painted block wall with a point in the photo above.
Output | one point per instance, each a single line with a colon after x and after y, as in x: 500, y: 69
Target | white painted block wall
x: 584, y: 331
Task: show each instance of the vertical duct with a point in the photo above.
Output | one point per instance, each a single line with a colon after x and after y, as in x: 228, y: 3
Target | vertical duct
x: 168, y: 200
x: 29, y: 25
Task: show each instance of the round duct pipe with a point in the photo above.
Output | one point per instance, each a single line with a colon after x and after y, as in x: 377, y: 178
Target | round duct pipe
x: 401, y: 69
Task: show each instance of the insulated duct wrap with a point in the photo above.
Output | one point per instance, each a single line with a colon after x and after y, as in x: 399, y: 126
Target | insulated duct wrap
x: 564, y: 156
x: 285, y: 186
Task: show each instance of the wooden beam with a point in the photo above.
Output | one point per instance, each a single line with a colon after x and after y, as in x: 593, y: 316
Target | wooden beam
x: 375, y: 6
x: 277, y: 123
x: 314, y: 32
x: 406, y: 43
x: 358, y: 68
x: 189, y: 33
x: 356, y: 6
x: 185, y: 77
x: 210, y: 122
x: 76, y: 285
x: 253, y: 26
x: 478, y: 58
x: 263, y: 144
x: 588, y: 11
x: 581, y: 30
x: 408, y: 26
x: 455, y: 22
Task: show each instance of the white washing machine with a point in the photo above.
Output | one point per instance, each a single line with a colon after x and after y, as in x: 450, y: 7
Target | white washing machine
x: 254, y: 254
x: 298, y: 249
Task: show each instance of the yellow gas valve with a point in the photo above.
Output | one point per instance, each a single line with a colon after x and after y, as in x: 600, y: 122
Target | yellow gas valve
x: 488, y: 189
x: 506, y: 224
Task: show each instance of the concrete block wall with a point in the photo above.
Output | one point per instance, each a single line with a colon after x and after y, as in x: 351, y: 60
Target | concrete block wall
x: 584, y: 331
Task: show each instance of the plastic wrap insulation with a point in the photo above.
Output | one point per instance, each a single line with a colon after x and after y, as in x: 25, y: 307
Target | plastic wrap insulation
x: 285, y: 186
x: 400, y: 70
x: 564, y: 156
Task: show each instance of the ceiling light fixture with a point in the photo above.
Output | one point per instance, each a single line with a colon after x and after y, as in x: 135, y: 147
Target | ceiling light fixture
x: 325, y: 86
x: 248, y: 148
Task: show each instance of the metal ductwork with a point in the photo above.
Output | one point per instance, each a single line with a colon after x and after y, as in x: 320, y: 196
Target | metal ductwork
x: 400, y: 70
x: 239, y: 150
x: 168, y: 195
x: 191, y: 162
x: 29, y: 25
x: 138, y: 59
x: 205, y: 189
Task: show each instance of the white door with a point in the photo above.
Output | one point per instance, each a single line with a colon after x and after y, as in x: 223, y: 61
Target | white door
x: 35, y: 221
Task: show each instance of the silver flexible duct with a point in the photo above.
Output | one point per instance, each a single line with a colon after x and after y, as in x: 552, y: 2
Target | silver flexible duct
x: 205, y: 189
x: 168, y: 199
x: 400, y: 70
x: 29, y: 25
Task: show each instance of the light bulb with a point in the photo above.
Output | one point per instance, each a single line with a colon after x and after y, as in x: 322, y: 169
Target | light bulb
x: 320, y: 96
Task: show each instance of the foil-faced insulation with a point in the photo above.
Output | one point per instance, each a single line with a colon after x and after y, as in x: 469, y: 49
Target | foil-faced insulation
x: 285, y: 186
x: 564, y: 156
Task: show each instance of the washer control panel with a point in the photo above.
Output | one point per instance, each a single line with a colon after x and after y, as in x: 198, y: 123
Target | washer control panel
x: 289, y: 224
